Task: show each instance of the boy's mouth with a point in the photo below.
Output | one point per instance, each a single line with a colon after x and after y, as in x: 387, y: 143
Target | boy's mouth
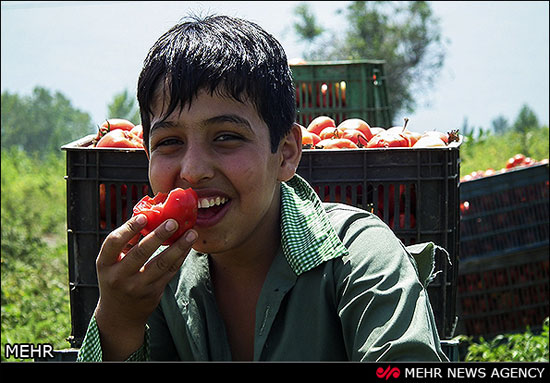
x: 211, y: 210
x: 205, y: 203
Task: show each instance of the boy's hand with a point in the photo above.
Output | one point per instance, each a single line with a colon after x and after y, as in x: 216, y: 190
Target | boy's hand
x: 131, y: 286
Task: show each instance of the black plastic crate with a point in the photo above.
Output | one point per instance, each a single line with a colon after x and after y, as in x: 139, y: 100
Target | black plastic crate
x: 506, y: 212
x: 414, y: 191
x: 504, y: 293
x: 424, y: 207
x: 103, y: 185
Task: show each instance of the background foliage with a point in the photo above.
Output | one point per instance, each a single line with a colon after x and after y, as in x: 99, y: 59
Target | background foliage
x: 492, y: 147
x: 35, y: 297
x: 522, y: 347
x: 405, y: 34
x: 42, y: 122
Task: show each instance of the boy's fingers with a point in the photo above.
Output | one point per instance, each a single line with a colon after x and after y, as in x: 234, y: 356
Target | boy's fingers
x: 118, y: 239
x: 164, y: 266
x: 140, y: 253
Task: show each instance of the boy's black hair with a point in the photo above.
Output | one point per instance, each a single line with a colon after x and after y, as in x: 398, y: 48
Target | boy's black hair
x: 230, y: 56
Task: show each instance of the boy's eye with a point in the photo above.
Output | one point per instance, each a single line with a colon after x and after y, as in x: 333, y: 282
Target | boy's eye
x: 227, y: 137
x: 168, y: 142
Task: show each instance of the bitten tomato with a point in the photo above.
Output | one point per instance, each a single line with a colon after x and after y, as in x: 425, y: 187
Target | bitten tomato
x: 179, y: 204
x: 120, y: 138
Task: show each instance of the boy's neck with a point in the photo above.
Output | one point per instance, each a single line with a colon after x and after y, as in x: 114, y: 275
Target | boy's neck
x: 238, y: 278
x: 246, y: 263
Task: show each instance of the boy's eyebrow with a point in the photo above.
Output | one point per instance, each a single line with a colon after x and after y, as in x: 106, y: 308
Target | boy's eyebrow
x: 233, y: 118
x: 162, y: 124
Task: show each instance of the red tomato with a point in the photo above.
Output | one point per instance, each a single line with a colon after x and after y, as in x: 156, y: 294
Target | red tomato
x: 113, y: 202
x: 386, y: 139
x: 117, y: 123
x: 337, y: 143
x: 376, y: 130
x: 179, y: 204
x: 331, y: 132
x: 429, y: 141
x: 403, y: 221
x: 309, y: 140
x: 138, y: 131
x: 516, y: 160
x: 102, y: 204
x: 357, y: 124
x: 113, y: 124
x: 411, y: 136
x: 442, y: 136
x: 320, y: 123
x: 120, y: 139
x: 357, y: 137
x: 392, y: 199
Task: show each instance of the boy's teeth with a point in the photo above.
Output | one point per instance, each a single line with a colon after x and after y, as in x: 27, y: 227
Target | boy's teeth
x: 205, y: 203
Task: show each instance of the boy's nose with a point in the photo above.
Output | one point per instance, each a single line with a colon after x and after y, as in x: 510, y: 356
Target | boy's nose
x: 196, y: 166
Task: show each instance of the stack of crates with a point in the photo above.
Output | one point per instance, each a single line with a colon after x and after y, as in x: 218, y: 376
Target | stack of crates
x: 504, y: 245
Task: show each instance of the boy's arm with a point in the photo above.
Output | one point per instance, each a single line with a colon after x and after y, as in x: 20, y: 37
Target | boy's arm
x: 384, y: 308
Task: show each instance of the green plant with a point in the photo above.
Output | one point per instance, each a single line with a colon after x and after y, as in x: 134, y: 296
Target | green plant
x: 35, y: 294
x: 490, y: 150
x: 521, y: 347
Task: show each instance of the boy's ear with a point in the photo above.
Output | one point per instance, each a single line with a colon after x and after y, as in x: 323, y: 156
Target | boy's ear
x: 290, y: 149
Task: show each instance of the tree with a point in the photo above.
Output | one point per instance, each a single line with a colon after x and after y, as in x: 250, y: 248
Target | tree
x: 405, y: 34
x: 124, y: 106
x: 42, y: 122
x: 500, y: 125
x: 526, y: 120
x: 307, y: 27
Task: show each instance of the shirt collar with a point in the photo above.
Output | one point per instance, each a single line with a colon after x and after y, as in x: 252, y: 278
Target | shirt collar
x: 307, y: 236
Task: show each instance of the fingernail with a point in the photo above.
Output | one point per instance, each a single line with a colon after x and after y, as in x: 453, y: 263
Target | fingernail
x: 141, y: 219
x: 191, y: 236
x: 170, y: 225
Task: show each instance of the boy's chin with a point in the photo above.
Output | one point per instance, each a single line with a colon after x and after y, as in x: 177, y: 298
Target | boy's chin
x: 206, y: 247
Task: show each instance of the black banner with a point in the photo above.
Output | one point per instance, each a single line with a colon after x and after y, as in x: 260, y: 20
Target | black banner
x: 390, y: 372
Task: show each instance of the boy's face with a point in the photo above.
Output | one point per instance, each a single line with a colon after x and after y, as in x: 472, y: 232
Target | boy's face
x: 221, y: 148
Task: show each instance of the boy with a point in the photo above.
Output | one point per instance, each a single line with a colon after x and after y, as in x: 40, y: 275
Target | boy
x: 268, y: 272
